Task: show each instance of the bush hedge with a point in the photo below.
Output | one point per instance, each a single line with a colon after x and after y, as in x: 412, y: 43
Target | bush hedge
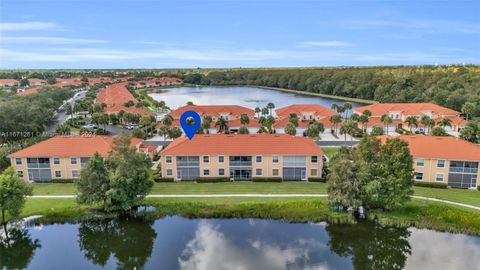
x: 57, y: 181
x: 430, y: 184
x: 317, y: 179
x: 212, y: 179
x: 163, y: 180
x: 266, y: 179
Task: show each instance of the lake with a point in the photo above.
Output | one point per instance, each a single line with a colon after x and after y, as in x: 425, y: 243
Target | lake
x: 246, y: 96
x: 211, y: 244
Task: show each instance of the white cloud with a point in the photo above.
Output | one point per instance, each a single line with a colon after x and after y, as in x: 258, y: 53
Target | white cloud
x: 24, y: 26
x: 210, y: 250
x: 331, y: 43
x: 49, y: 40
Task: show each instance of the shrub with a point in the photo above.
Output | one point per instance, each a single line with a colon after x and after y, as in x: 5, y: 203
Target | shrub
x: 266, y: 179
x: 478, y: 188
x: 163, y: 180
x: 60, y: 181
x: 430, y: 184
x: 212, y: 179
x: 317, y: 179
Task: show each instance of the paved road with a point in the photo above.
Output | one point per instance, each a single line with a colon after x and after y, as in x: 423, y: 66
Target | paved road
x: 251, y: 196
x: 61, y: 114
x: 336, y: 143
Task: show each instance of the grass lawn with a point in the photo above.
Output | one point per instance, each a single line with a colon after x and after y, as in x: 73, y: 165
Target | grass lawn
x: 466, y: 196
x: 329, y: 151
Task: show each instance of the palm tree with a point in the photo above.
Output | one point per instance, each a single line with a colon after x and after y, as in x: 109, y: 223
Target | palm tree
x: 427, y: 122
x: 445, y: 122
x: 222, y: 125
x: 265, y: 111
x: 270, y: 106
x: 290, y: 129
x: 347, y: 106
x: 293, y: 118
x: 355, y: 117
x: 386, y: 120
x: 468, y: 109
x: 411, y: 121
x: 206, y: 122
x: 364, y: 120
x: 367, y: 114
x: 347, y: 128
x: 167, y: 120
x: 257, y: 111
x: 335, y: 120
x: 244, y: 119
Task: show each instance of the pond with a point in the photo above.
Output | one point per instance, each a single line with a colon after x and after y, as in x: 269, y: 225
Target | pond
x: 210, y: 244
x: 246, y: 96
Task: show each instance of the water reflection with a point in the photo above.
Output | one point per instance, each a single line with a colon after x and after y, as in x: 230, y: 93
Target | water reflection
x: 16, y: 248
x: 130, y: 242
x: 211, y: 244
x: 371, y: 246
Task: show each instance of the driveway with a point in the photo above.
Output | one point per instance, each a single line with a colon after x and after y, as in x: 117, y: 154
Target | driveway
x: 61, y: 115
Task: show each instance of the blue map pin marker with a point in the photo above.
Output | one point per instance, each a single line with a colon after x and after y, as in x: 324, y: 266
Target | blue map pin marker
x: 190, y: 130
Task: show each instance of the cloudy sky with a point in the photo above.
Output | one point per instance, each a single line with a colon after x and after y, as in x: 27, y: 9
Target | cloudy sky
x: 172, y: 34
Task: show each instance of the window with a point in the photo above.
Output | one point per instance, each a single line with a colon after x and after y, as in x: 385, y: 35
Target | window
x: 58, y: 174
x: 75, y: 174
x: 73, y: 160
x: 258, y: 172
x: 18, y: 161
x: 168, y: 159
x: 20, y: 174
x: 258, y: 159
x: 440, y: 163
x: 313, y: 172
x: 206, y: 159
x: 314, y: 159
x: 221, y: 172
x: 206, y: 172
x: 221, y: 159
x: 169, y: 172
x: 56, y: 161
x: 275, y: 172
x: 419, y: 176
x: 275, y: 159
x: 439, y: 177
x: 420, y: 162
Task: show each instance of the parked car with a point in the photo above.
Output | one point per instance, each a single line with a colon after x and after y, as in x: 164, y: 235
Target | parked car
x: 90, y: 125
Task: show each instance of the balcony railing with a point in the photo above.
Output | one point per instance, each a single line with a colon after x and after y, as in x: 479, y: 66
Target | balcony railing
x: 463, y: 170
x: 241, y: 163
x: 188, y: 164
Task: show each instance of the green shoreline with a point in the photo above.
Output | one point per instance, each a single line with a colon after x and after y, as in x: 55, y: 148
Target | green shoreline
x: 416, y: 213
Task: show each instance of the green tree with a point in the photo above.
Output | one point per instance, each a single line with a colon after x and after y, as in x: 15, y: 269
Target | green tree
x: 24, y: 82
x: 63, y: 129
x: 206, y: 123
x: 290, y: 129
x: 468, y: 109
x: 13, y: 194
x: 411, y: 121
x: 392, y: 183
x: 243, y: 130
x: 376, y: 131
x: 244, y: 119
x: 130, y: 178
x: 445, y: 122
x: 293, y: 118
x: 347, y: 106
x: 386, y: 120
x: 94, y: 182
x: 471, y: 132
x: 257, y: 111
x: 438, y: 131
x: 427, y: 122
x: 222, y: 125
x: 270, y: 107
x: 174, y: 132
x: 167, y: 120
x: 335, y: 120
x: 348, y: 127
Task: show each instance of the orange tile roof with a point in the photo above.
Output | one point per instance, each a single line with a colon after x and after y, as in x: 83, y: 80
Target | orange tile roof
x: 9, y: 81
x: 456, y: 121
x: 377, y: 121
x: 71, y: 146
x: 406, y: 108
x: 115, y: 94
x: 248, y: 144
x: 132, y: 110
x: 35, y: 80
x: 281, y: 123
x: 213, y: 110
x: 298, y: 109
x: 32, y: 90
x: 451, y: 148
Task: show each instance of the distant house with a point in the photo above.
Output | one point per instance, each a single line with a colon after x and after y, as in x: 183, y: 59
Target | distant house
x: 36, y: 82
x: 8, y: 83
x: 60, y: 157
x: 154, y: 82
x: 446, y: 160
x: 231, y: 113
x: 400, y: 111
x: 306, y: 113
x: 115, y: 96
x: 242, y: 157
